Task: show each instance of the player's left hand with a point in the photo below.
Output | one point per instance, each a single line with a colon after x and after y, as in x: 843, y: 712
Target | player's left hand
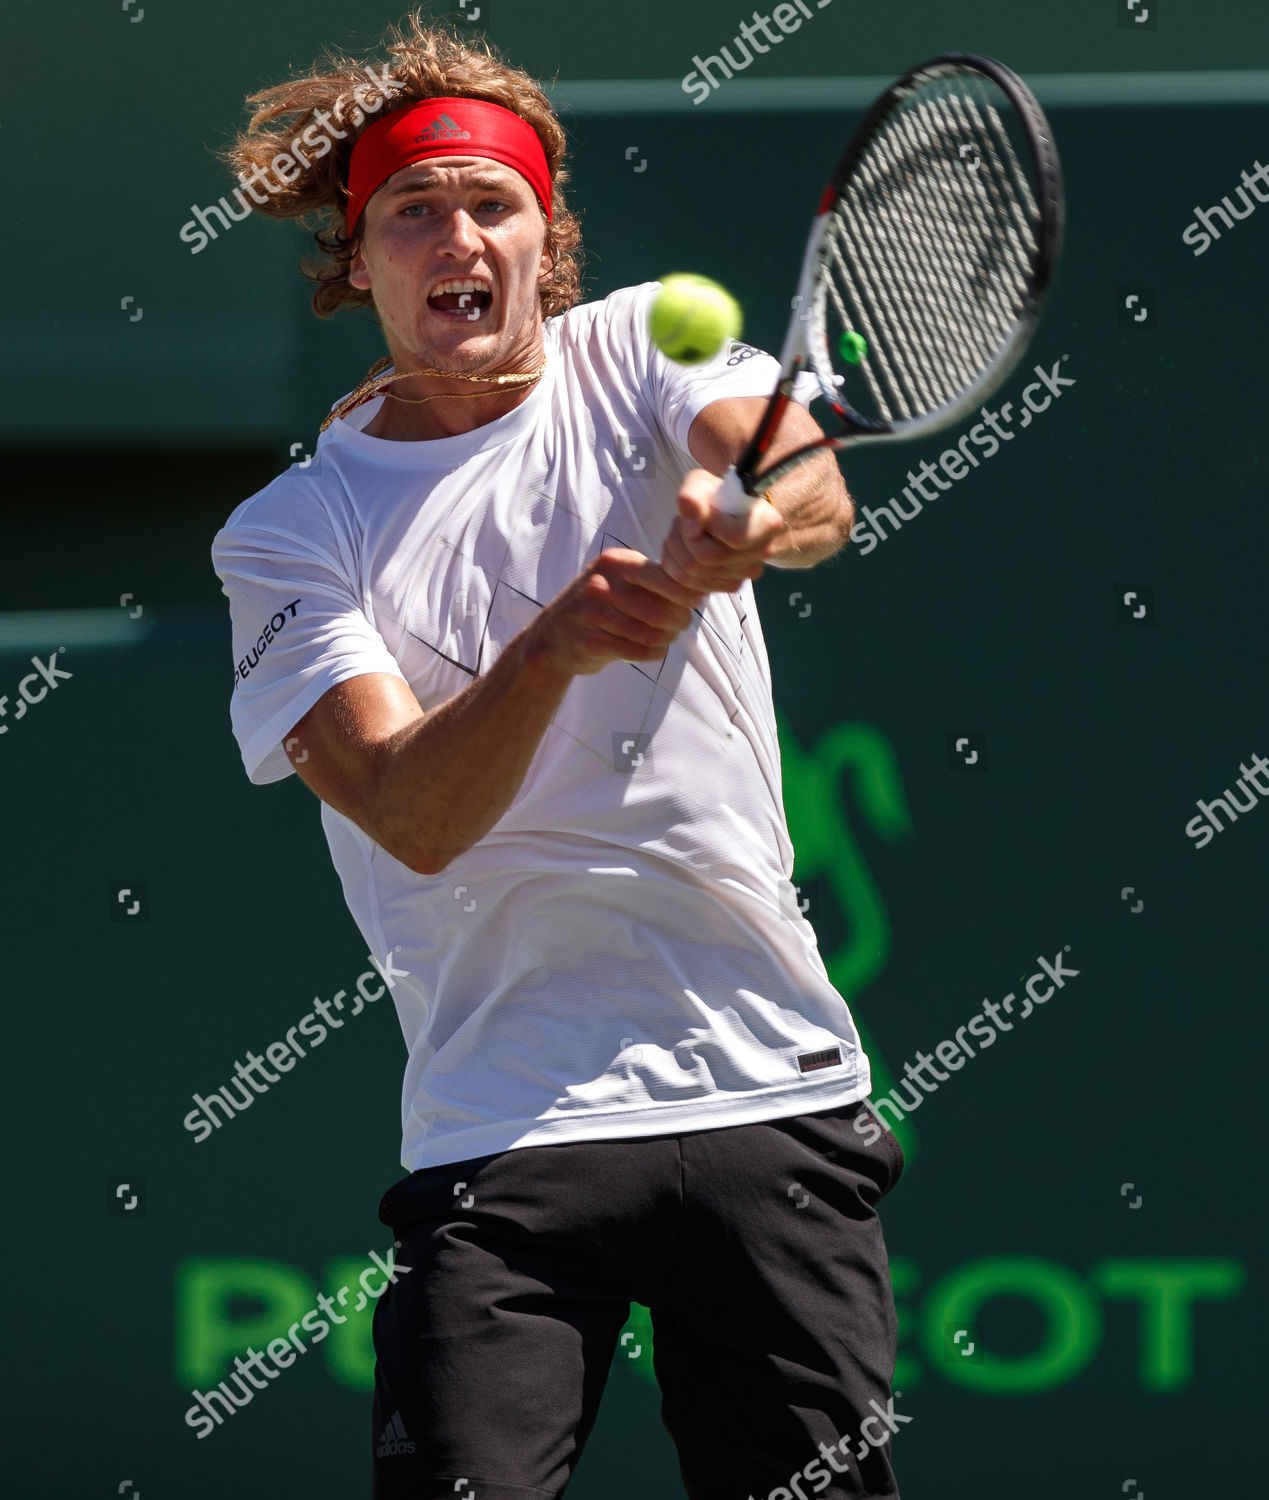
x: 708, y: 550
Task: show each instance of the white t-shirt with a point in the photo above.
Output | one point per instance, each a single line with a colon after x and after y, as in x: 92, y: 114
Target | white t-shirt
x: 620, y: 954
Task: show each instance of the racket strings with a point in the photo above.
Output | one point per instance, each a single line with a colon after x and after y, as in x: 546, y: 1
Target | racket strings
x: 872, y: 227
x: 869, y: 244
x: 1022, y: 201
x: 956, y: 225
x: 969, y: 247
x: 911, y: 153
x: 901, y: 201
x: 882, y: 333
x: 878, y: 213
x: 1006, y: 208
x: 985, y: 261
x: 870, y: 266
x: 929, y: 249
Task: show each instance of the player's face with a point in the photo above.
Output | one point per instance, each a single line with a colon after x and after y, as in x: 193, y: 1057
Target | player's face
x: 452, y: 251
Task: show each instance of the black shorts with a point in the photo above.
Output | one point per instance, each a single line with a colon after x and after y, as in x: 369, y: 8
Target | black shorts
x: 757, y: 1249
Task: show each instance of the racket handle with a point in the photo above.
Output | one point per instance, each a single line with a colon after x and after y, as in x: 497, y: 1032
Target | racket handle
x: 731, y: 497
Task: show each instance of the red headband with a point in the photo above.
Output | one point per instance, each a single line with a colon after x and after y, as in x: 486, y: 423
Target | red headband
x: 444, y: 127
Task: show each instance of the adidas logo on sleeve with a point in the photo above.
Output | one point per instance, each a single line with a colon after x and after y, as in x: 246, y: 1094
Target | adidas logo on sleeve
x: 395, y: 1439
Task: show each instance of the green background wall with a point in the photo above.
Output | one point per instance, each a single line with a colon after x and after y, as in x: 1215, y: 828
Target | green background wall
x: 1079, y: 1200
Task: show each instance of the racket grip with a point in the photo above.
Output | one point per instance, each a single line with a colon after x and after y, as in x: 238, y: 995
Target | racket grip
x: 731, y: 497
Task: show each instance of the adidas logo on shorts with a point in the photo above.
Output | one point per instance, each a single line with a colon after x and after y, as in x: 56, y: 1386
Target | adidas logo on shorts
x: 395, y: 1439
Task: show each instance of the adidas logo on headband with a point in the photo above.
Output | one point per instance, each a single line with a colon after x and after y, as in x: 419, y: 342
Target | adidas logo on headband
x: 442, y: 129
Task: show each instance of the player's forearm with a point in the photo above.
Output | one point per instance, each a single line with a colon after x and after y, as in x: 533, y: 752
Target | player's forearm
x: 446, y: 779
x: 818, y: 514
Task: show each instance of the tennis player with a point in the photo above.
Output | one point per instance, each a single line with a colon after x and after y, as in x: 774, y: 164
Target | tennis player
x: 498, y: 628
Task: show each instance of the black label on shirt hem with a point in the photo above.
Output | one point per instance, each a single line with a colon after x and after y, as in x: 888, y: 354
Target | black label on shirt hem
x: 831, y: 1057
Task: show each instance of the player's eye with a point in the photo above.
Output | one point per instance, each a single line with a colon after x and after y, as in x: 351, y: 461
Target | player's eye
x: 487, y: 205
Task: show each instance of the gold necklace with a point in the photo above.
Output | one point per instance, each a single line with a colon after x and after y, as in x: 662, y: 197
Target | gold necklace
x: 373, y: 385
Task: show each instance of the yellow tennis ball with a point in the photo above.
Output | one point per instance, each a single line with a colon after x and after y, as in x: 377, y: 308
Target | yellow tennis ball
x: 692, y: 318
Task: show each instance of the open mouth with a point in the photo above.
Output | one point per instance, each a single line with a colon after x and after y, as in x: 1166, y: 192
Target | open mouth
x: 462, y: 297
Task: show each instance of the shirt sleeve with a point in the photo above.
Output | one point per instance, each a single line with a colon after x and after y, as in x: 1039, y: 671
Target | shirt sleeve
x: 680, y: 393
x: 300, y: 626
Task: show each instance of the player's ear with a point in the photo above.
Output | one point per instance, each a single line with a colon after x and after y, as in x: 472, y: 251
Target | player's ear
x: 358, y: 274
x: 547, y: 260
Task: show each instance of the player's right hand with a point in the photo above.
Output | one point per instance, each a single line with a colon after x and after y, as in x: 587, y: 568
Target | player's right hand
x: 623, y: 607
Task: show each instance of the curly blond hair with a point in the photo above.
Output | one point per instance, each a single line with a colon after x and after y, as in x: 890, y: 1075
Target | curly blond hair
x: 426, y: 61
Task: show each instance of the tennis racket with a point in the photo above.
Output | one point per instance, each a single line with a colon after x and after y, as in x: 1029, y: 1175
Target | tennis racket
x: 930, y: 254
